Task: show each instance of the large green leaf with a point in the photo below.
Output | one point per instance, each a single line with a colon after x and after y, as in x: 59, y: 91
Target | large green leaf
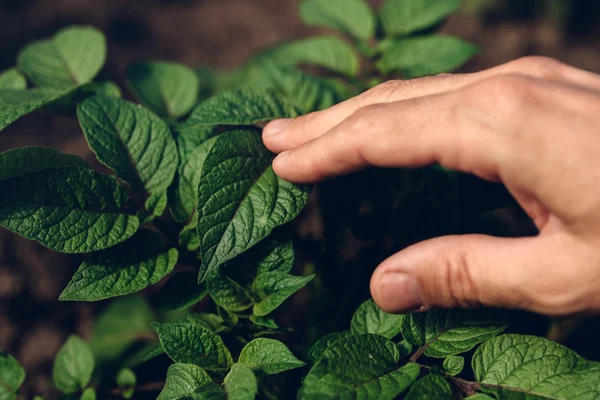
x: 192, y: 343
x: 183, y: 380
x: 528, y: 367
x: 359, y: 366
x: 133, y: 142
x: 446, y: 333
x: 323, y: 344
x: 430, y: 387
x: 181, y: 291
x: 16, y: 103
x: 328, y: 52
x: 425, y: 55
x: 67, y: 208
x: 124, y: 269
x: 273, y: 288
x: 72, y: 57
x: 268, y: 357
x: 12, y: 376
x: 11, y: 79
x: 168, y: 89
x: 73, y: 366
x: 369, y: 318
x: 240, y: 199
x: 354, y: 17
x: 124, y: 322
x: 401, y: 17
x: 240, y: 383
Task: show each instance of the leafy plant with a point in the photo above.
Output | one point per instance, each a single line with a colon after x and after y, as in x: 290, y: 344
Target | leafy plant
x: 196, y: 218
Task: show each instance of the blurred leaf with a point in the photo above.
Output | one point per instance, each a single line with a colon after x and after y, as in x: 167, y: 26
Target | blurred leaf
x: 240, y: 383
x: 354, y: 17
x: 126, y: 380
x: 274, y: 288
x: 11, y: 79
x: 168, y: 89
x: 371, y: 319
x: 430, y: 387
x: 105, y: 88
x: 12, y: 376
x: 181, y: 291
x: 14, y: 104
x: 268, y: 357
x: 88, y: 394
x: 401, y: 17
x: 73, y: 366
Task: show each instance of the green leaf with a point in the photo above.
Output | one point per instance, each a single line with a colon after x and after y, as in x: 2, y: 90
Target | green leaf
x: 430, y: 387
x: 27, y: 160
x: 134, y: 143
x: 67, y: 209
x: 73, y: 366
x: 454, y: 365
x: 319, y: 348
x: 268, y: 357
x: 11, y: 79
x: 447, y: 333
x: 153, y: 352
x: 125, y: 321
x: 359, y: 366
x: 227, y: 293
x: 16, y: 103
x: 274, y: 288
x: 241, y: 107
x: 126, y: 380
x: 212, y: 391
x: 401, y: 17
x: 169, y: 89
x: 184, y: 191
x: 481, y: 396
x: 181, y: 291
x: 371, y: 319
x: 106, y: 88
x: 354, y: 17
x: 264, y: 322
x: 520, y: 366
x: 124, y: 269
x: 273, y: 254
x: 193, y: 344
x: 240, y: 199
x: 88, y: 394
x: 328, y: 52
x: 214, y: 322
x: 426, y: 55
x: 183, y: 380
x: 240, y: 383
x: 72, y: 57
x: 404, y: 348
x: 188, y: 237
x: 12, y: 376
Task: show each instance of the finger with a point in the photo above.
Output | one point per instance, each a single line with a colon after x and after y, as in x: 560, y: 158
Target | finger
x: 282, y: 135
x: 476, y: 270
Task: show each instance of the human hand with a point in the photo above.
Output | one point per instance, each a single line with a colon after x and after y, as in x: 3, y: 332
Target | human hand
x: 533, y: 124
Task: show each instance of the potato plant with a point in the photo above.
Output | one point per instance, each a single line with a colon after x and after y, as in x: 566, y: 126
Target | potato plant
x: 194, y: 217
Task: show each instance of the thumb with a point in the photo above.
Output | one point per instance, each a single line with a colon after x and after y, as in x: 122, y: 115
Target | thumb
x: 476, y: 270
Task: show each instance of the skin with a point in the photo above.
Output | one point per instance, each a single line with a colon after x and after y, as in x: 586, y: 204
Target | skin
x: 532, y: 124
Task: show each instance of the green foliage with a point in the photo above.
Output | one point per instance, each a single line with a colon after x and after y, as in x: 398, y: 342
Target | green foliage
x: 181, y: 291
x: 371, y: 319
x: 268, y: 357
x: 183, y: 380
x: 430, y: 387
x: 401, y: 17
x: 12, y: 376
x: 454, y: 365
x: 240, y: 383
x: 73, y: 366
x: 126, y: 381
x: 353, y: 17
x: 11, y: 79
x: 16, y: 103
x: 273, y: 288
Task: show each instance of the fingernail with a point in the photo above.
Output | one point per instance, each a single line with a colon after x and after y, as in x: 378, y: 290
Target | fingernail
x: 276, y: 126
x: 400, y: 292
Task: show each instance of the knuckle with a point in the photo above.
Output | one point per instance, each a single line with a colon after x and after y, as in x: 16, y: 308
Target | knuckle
x: 506, y: 95
x: 363, y: 119
x: 543, y: 67
x: 382, y: 92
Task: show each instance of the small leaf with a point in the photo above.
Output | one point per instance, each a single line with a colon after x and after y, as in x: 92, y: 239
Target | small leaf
x: 241, y: 107
x: 430, y: 387
x: 324, y: 343
x: 16, y: 103
x: 73, y: 366
x: 401, y: 17
x: 168, y: 89
x: 134, y: 143
x: 328, y: 52
x: 193, y: 344
x: 274, y: 288
x: 240, y: 383
x: 67, y: 209
x: 214, y: 322
x: 183, y: 380
x: 404, y: 348
x: 426, y: 55
x: 354, y: 17
x: 264, y: 322
x: 268, y: 357
x: 70, y: 58
x: 124, y: 269
x: 105, y: 88
x: 153, y: 352
x: 126, y: 380
x: 371, y: 319
x: 359, y: 366
x: 454, y: 365
x: 88, y: 394
x: 12, y: 376
x: 181, y: 291
x: 188, y: 237
x: 447, y: 333
x: 11, y: 79
x: 240, y: 199
x: 227, y: 293
x: 125, y: 321
x: 520, y: 366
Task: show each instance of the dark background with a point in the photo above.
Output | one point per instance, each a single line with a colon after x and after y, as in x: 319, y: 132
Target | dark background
x: 220, y: 34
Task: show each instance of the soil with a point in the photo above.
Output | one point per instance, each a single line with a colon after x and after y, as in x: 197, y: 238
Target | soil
x: 217, y: 33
